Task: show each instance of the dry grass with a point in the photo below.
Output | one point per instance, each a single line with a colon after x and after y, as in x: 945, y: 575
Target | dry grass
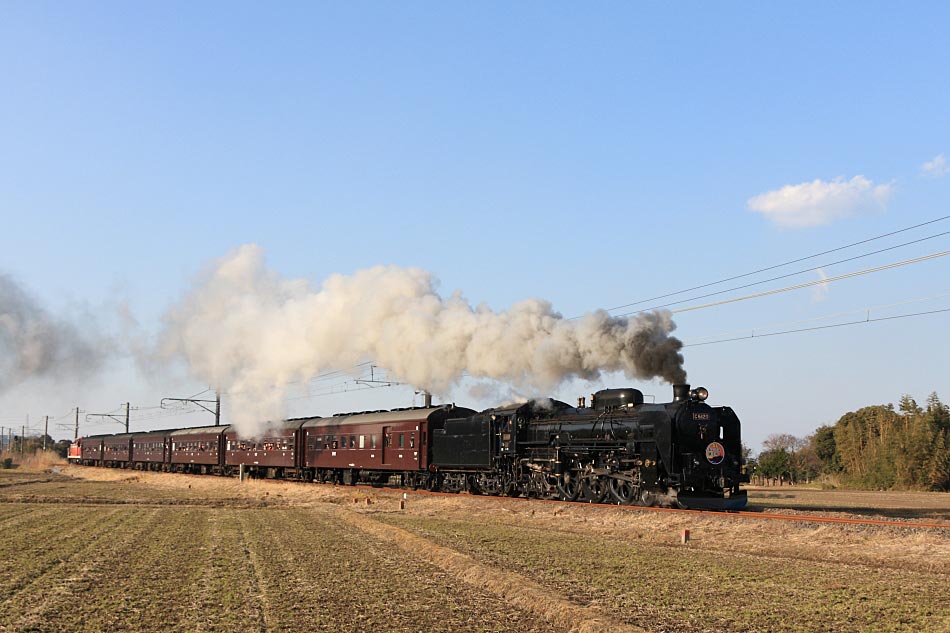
x: 36, y: 462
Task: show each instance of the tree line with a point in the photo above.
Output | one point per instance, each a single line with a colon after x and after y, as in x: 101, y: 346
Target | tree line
x: 876, y: 447
x: 31, y: 444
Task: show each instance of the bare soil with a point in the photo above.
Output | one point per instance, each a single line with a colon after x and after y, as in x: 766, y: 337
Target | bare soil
x: 97, y: 549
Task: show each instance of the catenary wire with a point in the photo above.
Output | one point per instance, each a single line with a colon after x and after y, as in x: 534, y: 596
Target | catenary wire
x: 787, y: 275
x: 817, y: 282
x: 773, y: 267
x: 867, y: 310
x: 819, y: 327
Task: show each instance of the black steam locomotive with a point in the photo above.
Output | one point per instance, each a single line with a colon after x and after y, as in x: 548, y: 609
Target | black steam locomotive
x: 684, y: 453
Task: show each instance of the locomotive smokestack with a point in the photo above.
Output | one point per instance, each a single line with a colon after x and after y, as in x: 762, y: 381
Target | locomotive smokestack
x: 680, y: 392
x: 427, y: 400
x: 581, y: 402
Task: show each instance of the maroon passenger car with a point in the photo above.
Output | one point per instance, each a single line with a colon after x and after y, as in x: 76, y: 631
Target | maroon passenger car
x: 197, y: 450
x: 273, y: 454
x: 91, y: 450
x: 150, y: 450
x: 373, y: 447
x: 117, y: 450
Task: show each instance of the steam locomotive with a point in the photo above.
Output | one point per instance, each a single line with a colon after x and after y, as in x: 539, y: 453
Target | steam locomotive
x: 683, y: 453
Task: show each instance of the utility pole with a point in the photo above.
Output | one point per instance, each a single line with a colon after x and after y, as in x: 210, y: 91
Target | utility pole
x: 201, y: 403
x: 3, y: 436
x: 112, y: 416
x: 45, y: 431
x: 23, y: 435
x: 76, y: 432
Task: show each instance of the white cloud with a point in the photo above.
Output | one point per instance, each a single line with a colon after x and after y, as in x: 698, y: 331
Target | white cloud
x: 819, y: 202
x: 937, y: 167
x: 820, y: 291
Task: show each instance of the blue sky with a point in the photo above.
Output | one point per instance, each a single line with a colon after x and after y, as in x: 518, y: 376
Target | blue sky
x: 591, y: 155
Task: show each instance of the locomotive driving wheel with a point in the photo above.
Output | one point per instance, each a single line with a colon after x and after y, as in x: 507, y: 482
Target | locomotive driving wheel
x: 569, y: 486
x: 623, y: 491
x: 595, y: 489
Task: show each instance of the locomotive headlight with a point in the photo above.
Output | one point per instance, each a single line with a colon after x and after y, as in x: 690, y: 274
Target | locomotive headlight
x: 699, y: 393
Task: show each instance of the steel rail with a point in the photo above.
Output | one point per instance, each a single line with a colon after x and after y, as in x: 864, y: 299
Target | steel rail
x: 736, y: 514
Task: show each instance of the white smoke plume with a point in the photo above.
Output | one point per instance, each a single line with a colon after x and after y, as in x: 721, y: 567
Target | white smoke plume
x: 35, y: 344
x: 249, y: 332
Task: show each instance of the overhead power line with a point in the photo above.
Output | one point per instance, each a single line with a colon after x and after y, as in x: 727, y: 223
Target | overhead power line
x: 815, y: 283
x: 775, y: 266
x: 865, y: 312
x: 813, y: 328
x: 787, y: 275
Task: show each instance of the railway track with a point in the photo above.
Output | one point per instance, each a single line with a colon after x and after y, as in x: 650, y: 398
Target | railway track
x: 744, y: 514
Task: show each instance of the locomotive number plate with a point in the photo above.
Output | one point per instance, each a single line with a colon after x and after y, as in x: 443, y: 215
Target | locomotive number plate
x: 702, y: 416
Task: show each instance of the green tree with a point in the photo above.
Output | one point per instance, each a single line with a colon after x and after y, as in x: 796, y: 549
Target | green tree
x: 938, y: 412
x: 880, y: 447
x: 823, y: 444
x: 773, y: 463
x: 908, y: 406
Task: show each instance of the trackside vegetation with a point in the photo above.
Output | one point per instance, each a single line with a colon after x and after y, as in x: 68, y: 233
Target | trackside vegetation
x: 875, y: 447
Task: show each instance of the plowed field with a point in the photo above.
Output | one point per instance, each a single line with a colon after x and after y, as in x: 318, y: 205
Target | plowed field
x: 101, y: 550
